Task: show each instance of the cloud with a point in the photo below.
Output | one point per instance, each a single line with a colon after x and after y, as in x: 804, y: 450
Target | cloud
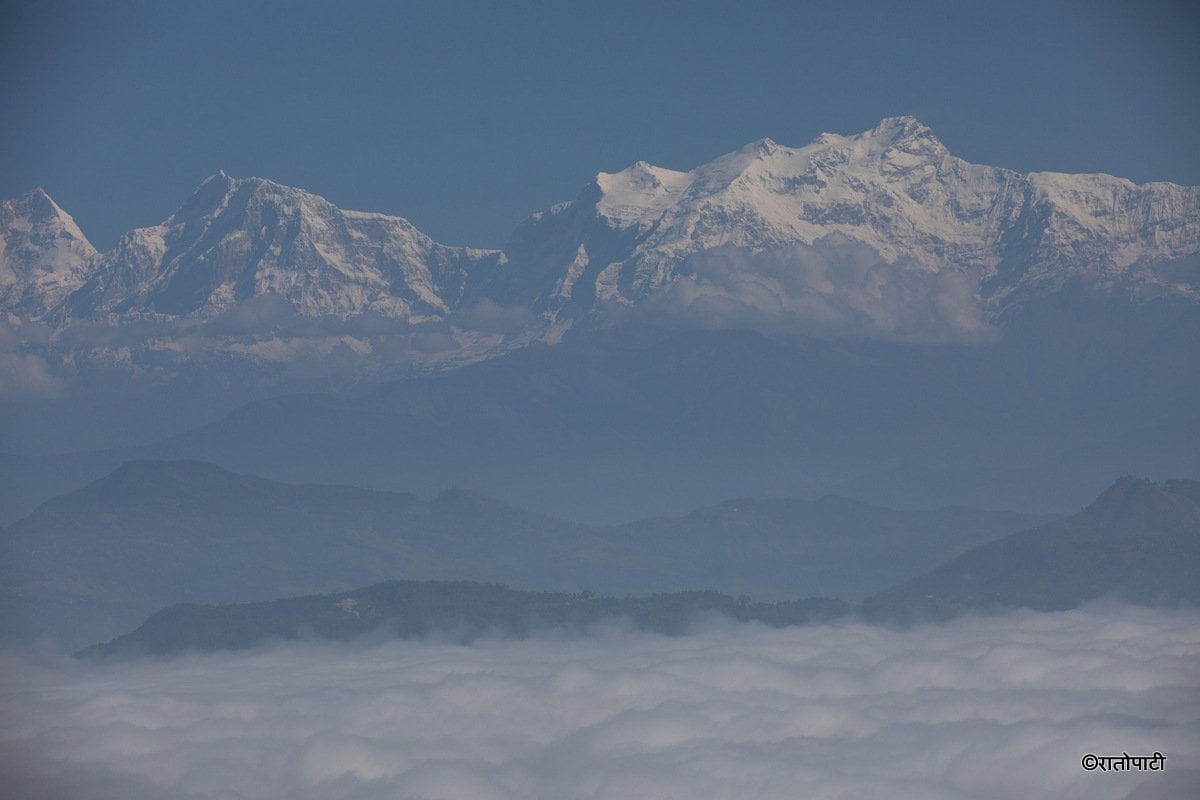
x: 24, y: 372
x: 978, y: 708
x: 25, y: 376
x: 833, y: 287
x: 488, y: 316
x: 282, y: 350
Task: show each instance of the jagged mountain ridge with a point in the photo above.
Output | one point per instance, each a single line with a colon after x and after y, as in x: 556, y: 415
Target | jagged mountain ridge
x: 238, y: 239
x: 1082, y: 335
x: 843, y: 228
x: 462, y: 611
x: 895, y: 190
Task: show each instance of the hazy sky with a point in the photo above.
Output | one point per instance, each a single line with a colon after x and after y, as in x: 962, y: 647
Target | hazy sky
x: 465, y: 117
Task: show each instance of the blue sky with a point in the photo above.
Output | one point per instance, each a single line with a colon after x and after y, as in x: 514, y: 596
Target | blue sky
x: 465, y: 117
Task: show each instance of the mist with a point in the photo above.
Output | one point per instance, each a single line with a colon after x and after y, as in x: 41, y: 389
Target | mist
x: 834, y: 287
x: 1001, y: 706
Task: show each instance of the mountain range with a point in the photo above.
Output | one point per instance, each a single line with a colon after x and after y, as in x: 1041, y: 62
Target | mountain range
x: 1138, y: 542
x: 459, y: 611
x: 884, y: 233
x: 867, y: 315
x: 92, y: 563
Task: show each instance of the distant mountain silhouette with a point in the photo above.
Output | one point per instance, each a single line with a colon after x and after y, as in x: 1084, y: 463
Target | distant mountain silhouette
x: 1138, y: 542
x: 91, y: 564
x: 866, y: 314
x: 461, y: 611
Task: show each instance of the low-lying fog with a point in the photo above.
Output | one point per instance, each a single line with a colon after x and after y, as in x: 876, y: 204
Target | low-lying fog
x: 996, y: 707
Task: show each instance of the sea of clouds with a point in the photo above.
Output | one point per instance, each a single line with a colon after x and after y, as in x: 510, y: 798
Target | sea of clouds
x: 997, y: 707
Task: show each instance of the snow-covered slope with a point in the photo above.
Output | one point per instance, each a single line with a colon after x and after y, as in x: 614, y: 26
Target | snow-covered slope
x: 239, y: 239
x: 43, y: 254
x: 887, y: 211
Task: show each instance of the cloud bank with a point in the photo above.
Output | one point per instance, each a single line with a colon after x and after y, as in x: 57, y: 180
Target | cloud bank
x: 991, y: 708
x: 833, y: 287
x: 24, y: 372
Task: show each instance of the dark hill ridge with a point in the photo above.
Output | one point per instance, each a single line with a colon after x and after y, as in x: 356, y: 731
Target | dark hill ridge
x: 89, y: 565
x: 460, y: 610
x: 1138, y: 542
x: 98, y: 558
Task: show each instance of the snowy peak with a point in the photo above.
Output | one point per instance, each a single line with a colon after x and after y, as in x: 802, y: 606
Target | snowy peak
x: 885, y: 225
x: 879, y: 233
x: 236, y: 239
x: 636, y: 194
x: 764, y: 147
x: 906, y: 133
x: 209, y: 197
x: 753, y: 177
x: 230, y: 202
x: 38, y: 206
x: 893, y: 137
x: 43, y: 254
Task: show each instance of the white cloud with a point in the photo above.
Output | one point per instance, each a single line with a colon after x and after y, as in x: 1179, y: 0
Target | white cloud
x: 1001, y: 707
x: 833, y: 287
x: 24, y: 374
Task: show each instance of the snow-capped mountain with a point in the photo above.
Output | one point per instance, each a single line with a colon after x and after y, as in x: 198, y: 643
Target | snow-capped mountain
x: 883, y: 234
x: 771, y: 306
x: 237, y: 239
x: 43, y: 254
x: 741, y: 229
